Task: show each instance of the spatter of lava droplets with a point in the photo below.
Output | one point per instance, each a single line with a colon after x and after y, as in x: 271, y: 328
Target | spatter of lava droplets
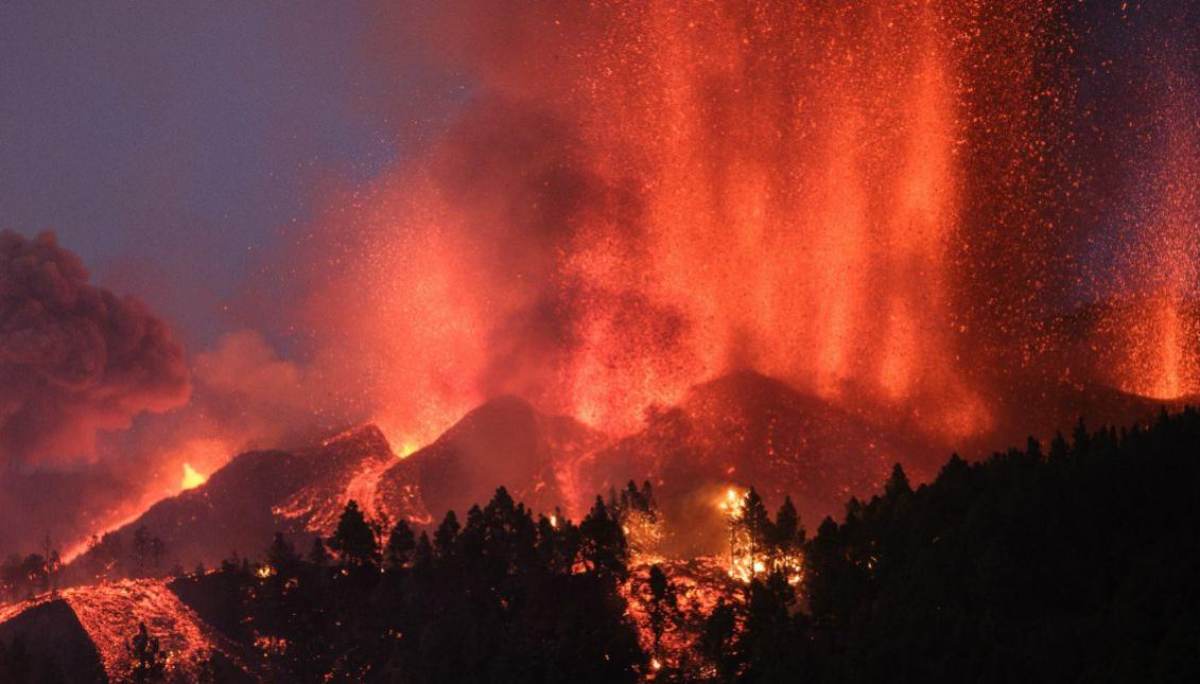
x: 642, y: 197
x: 1162, y: 327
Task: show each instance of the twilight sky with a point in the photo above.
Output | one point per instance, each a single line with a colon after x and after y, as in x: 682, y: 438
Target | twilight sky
x: 170, y: 145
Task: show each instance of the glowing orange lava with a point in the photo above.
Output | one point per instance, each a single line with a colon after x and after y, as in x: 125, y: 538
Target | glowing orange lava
x: 191, y: 478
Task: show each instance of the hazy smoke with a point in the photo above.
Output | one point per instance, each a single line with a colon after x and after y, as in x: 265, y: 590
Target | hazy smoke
x: 244, y: 396
x: 74, y: 358
x: 636, y: 200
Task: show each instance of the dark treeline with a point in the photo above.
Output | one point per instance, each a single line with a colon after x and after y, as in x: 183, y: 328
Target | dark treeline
x: 498, y: 597
x: 1076, y: 562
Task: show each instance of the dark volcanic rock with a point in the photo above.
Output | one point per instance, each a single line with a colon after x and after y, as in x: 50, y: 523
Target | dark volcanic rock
x: 244, y: 503
x: 742, y: 430
x: 503, y: 442
x: 50, y: 631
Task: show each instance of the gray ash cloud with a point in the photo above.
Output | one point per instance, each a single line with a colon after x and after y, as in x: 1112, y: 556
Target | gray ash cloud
x: 74, y: 358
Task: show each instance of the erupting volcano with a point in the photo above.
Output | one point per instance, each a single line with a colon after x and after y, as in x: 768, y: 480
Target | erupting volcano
x: 881, y: 205
x: 591, y: 277
x: 685, y: 193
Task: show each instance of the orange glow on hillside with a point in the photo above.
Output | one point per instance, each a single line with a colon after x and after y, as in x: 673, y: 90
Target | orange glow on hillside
x: 191, y: 478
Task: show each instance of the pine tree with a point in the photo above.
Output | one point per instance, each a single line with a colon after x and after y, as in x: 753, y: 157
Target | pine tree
x: 604, y: 548
x: 423, y: 555
x: 354, y: 540
x: 400, y: 546
x: 787, y: 537
x: 757, y: 523
x: 281, y: 555
x: 716, y: 641
x: 897, y: 485
x: 447, y: 532
x: 318, y: 555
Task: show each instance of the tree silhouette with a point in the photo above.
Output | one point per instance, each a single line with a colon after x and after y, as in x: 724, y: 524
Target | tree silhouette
x: 662, y: 603
x: 603, y: 543
x: 717, y: 640
x: 353, y: 540
x: 281, y: 555
x: 400, y: 546
x: 897, y: 484
x: 752, y: 534
x: 147, y: 661
x: 446, y: 534
x: 317, y: 554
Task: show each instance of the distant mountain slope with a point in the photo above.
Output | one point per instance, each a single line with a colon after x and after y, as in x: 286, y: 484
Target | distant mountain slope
x: 745, y: 429
x: 742, y: 429
x: 258, y: 493
x: 503, y: 442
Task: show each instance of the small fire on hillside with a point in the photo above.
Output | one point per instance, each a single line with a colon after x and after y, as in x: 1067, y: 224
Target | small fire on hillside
x: 191, y: 478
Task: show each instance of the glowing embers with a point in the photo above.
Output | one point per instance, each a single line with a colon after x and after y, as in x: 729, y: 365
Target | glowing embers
x: 759, y: 546
x: 1160, y: 329
x: 696, y: 586
x: 1162, y: 335
x: 110, y: 613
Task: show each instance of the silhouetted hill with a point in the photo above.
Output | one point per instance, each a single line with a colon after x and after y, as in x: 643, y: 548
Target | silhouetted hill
x: 58, y: 647
x: 1070, y: 561
x: 258, y: 493
x: 503, y: 442
x: 747, y: 429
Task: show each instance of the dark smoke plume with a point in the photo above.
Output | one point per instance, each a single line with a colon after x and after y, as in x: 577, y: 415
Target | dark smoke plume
x: 74, y: 358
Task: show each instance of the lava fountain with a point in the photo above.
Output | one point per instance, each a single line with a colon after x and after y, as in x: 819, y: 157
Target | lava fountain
x: 691, y: 189
x: 1162, y: 328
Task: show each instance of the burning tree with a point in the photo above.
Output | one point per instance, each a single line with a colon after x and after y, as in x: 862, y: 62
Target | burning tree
x: 663, y: 608
x: 25, y: 576
x: 640, y: 521
x: 758, y: 545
